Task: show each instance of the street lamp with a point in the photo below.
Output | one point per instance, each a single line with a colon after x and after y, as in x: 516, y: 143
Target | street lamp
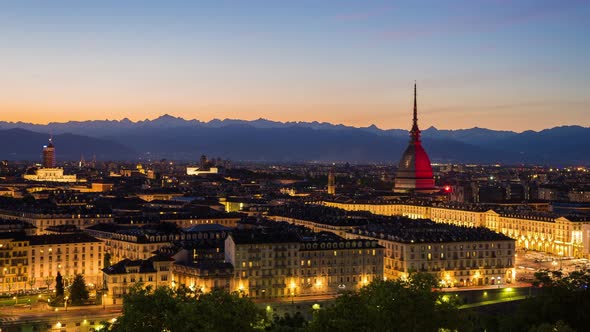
x: 66, y: 303
x: 104, y: 298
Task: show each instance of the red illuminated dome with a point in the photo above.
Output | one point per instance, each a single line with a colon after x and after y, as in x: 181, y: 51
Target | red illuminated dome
x: 414, y: 172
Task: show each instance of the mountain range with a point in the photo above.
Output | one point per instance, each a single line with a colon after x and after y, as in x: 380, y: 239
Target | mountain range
x: 265, y: 140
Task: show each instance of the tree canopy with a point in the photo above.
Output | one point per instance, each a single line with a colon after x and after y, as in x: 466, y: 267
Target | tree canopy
x: 78, y: 291
x: 395, y: 305
x: 59, y: 286
x: 164, y: 309
x: 563, y: 304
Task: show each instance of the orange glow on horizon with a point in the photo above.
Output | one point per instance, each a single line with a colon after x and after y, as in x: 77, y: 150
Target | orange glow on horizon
x: 357, y: 115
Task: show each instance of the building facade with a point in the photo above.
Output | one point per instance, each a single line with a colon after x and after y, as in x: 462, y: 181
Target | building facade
x: 68, y: 254
x: 32, y: 262
x: 465, y: 262
x: 43, y: 220
x: 286, y: 266
x: 119, y: 278
x: 14, y: 262
x: 563, y: 236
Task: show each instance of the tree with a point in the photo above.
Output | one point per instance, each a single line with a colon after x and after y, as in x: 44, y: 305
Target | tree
x: 560, y: 306
x: 78, y: 291
x: 107, y: 260
x: 48, y: 282
x: 288, y: 323
x: 557, y: 327
x: 31, y: 281
x: 164, y: 309
x: 59, y: 286
x: 393, y: 305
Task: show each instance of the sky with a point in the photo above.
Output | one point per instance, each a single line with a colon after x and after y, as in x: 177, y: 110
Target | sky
x: 499, y: 64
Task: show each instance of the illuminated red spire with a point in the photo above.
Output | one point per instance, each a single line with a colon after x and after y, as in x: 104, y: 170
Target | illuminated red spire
x: 414, y: 172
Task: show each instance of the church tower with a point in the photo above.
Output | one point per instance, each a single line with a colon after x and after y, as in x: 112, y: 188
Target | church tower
x: 331, y: 183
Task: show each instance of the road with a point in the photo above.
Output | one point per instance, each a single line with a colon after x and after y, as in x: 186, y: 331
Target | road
x: 529, y: 262
x: 43, y: 313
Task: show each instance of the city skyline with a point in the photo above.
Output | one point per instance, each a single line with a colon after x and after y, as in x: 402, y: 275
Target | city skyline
x: 495, y: 64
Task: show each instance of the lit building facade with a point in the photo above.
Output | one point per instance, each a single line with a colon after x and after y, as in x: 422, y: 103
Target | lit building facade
x: 43, y: 220
x: 458, y: 256
x: 68, y: 254
x: 119, y: 278
x: 472, y: 262
x: 331, y: 183
x: 200, y: 171
x: 563, y: 236
x: 50, y: 175
x: 285, y: 266
x: 31, y: 262
x: 14, y: 262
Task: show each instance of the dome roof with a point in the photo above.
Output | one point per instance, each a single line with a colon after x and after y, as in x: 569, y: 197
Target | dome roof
x: 414, y: 170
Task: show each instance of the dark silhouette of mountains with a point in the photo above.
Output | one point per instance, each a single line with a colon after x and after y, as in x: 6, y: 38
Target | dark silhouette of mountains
x: 21, y: 144
x: 264, y: 140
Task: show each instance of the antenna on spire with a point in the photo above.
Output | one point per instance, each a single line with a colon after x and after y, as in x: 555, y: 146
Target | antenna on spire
x: 415, y: 106
x: 415, y: 132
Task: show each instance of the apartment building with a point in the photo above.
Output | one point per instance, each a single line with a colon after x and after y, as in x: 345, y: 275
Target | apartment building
x: 532, y: 230
x: 279, y: 262
x: 69, y: 254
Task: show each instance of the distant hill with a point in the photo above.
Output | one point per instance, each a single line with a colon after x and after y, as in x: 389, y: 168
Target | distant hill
x: 266, y: 140
x: 21, y: 144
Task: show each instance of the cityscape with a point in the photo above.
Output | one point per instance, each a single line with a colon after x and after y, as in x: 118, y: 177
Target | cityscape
x: 291, y: 221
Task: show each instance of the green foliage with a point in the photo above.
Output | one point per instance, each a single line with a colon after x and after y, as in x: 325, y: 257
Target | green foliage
x: 557, y: 327
x: 562, y: 305
x: 164, y: 309
x: 288, y: 323
x: 78, y: 291
x: 395, y: 305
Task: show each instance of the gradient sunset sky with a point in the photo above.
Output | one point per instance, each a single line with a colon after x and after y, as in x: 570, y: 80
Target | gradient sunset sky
x: 497, y: 64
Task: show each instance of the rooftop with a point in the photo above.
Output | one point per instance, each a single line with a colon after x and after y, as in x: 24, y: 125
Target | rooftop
x: 401, y: 229
x: 61, y: 239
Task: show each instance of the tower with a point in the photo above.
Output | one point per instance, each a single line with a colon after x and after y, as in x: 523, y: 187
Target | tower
x: 82, y: 162
x: 414, y: 172
x: 49, y: 154
x: 331, y: 183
